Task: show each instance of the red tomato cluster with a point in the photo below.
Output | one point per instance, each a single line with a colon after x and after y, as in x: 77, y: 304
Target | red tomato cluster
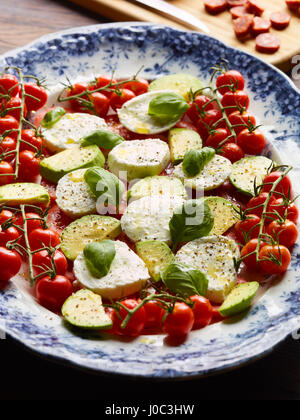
x: 10, y: 114
x: 214, y: 129
x: 151, y: 316
x: 248, y: 21
x: 114, y: 96
x: 280, y: 232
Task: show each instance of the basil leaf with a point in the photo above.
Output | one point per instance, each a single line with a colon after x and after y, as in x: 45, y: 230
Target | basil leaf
x: 167, y: 107
x: 192, y: 221
x: 51, y: 117
x: 102, y: 138
x: 184, y: 280
x: 195, y: 160
x: 104, y: 185
x: 99, y: 256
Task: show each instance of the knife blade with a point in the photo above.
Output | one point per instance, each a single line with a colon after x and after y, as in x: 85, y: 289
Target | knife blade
x: 174, y: 13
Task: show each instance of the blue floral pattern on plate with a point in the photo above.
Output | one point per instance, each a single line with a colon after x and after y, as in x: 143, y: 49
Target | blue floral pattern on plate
x: 87, y: 51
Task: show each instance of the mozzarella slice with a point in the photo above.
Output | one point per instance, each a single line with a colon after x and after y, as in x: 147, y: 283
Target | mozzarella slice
x: 70, y: 129
x: 73, y: 196
x: 128, y: 274
x: 212, y: 176
x: 139, y: 158
x: 134, y: 115
x: 214, y: 256
x: 149, y: 217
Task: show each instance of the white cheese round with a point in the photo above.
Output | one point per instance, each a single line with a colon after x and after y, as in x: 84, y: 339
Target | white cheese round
x: 70, y: 129
x: 148, y: 218
x: 73, y: 196
x: 134, y: 115
x: 139, y: 158
x: 214, y: 256
x: 128, y: 274
x: 213, y: 175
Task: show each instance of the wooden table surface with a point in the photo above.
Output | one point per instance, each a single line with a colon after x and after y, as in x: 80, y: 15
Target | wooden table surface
x: 275, y: 377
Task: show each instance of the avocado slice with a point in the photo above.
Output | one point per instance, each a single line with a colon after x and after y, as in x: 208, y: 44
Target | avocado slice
x: 239, y: 299
x: 24, y: 193
x: 157, y: 185
x: 55, y: 167
x: 180, y: 83
x: 91, y: 228
x: 250, y: 171
x: 181, y: 140
x: 84, y: 309
x: 156, y: 255
x: 224, y: 214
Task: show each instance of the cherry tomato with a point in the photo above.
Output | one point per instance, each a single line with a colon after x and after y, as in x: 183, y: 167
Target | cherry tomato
x: 8, y: 144
x: 138, y: 87
x: 52, y: 293
x: 29, y: 165
x: 210, y: 119
x: 34, y: 221
x: 184, y: 124
x: 10, y: 264
x: 42, y: 262
x: 179, y: 322
x: 217, y: 137
x: 284, y: 186
x: 249, y: 248
x: 197, y: 107
x: 117, y: 101
x: 15, y: 102
x: 289, y: 210
x: 233, y: 78
x: 153, y: 314
x: 6, y: 173
x: 32, y: 139
x: 286, y: 232
x: 234, y: 100
x: 136, y: 323
x: 247, y: 229
x: 39, y: 96
x: 103, y: 81
x: 241, y: 120
x: 233, y: 152
x: 100, y: 103
x: 255, y: 205
x: 9, y: 84
x: 8, y: 123
x: 40, y: 238
x: 5, y: 215
x: 10, y: 234
x: 275, y: 259
x: 76, y: 89
x: 202, y: 310
x: 252, y: 142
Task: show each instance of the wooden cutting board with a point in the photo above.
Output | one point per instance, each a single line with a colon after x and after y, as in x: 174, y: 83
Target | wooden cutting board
x: 220, y: 26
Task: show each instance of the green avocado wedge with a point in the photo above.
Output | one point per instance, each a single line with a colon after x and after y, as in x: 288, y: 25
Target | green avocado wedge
x: 239, y: 299
x: 55, y: 167
x: 181, y: 140
x: 84, y: 309
x: 180, y: 83
x: 224, y: 214
x: 24, y: 193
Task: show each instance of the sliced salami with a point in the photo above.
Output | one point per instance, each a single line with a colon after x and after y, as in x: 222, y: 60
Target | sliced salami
x: 237, y: 3
x: 267, y: 43
x: 239, y: 11
x: 260, y: 26
x: 280, y: 20
x: 255, y: 8
x: 242, y: 26
x: 214, y: 7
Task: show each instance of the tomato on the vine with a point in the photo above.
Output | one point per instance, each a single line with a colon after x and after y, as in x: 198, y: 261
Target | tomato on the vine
x: 6, y: 173
x: 203, y: 311
x: 136, y: 323
x: 153, y: 314
x: 6, y: 215
x: 284, y: 209
x: 103, y: 81
x: 235, y: 100
x: 251, y: 141
x: 284, y: 187
x: 256, y: 204
x: 217, y: 137
x: 10, y: 264
x: 230, y: 80
x: 29, y: 165
x: 179, y: 322
x: 200, y: 104
x: 10, y: 234
x: 9, y: 84
x: 274, y: 259
x: 14, y: 102
x: 248, y: 256
x: 117, y: 100
x: 8, y: 123
x: 42, y: 261
x: 232, y: 151
x: 52, y: 293
x: 33, y: 141
x: 100, y: 103
x: 213, y: 119
x: 138, y: 86
x: 8, y: 144
x: 240, y: 121
x: 247, y: 228
x: 33, y: 221
x: 286, y: 232
x: 77, y: 89
x: 187, y: 125
x: 38, y: 96
x: 40, y: 238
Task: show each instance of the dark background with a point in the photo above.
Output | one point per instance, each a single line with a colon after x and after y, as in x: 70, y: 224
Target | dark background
x: 25, y: 376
